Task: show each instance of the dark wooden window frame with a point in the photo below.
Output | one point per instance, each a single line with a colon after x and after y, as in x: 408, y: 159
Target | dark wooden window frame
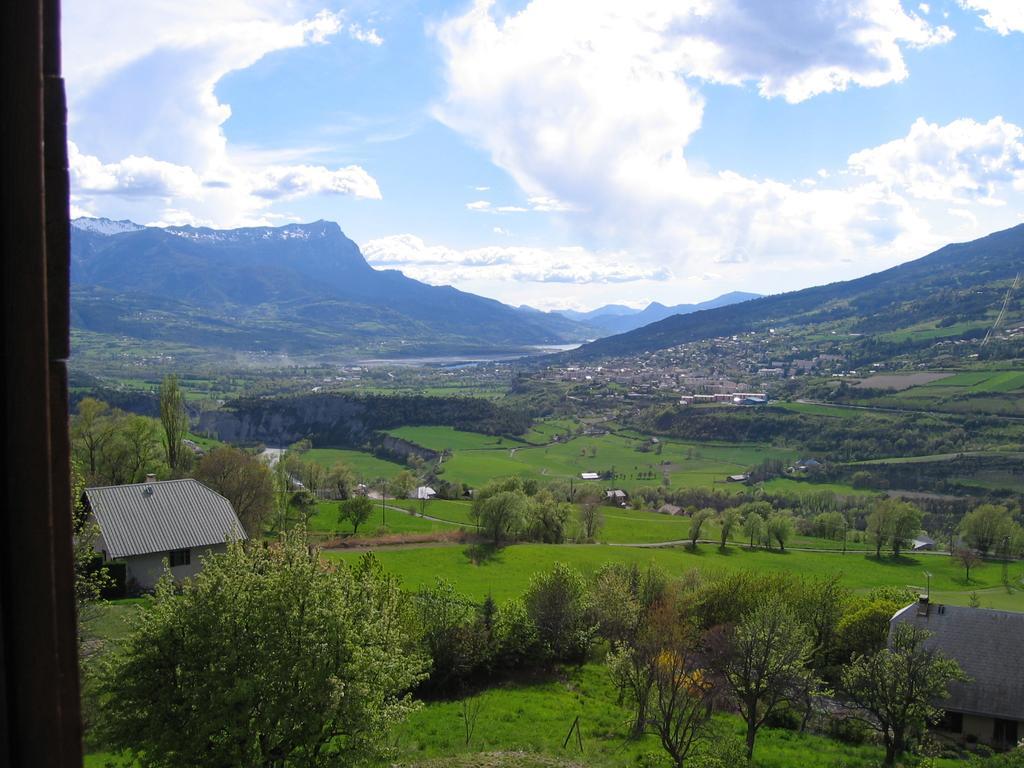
x: 39, y: 706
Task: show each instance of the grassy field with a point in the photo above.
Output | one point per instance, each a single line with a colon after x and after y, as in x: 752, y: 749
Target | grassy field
x: 365, y: 465
x: 389, y: 521
x: 633, y: 462
x: 507, y: 573
x: 992, y: 391
x: 449, y: 439
x: 530, y: 719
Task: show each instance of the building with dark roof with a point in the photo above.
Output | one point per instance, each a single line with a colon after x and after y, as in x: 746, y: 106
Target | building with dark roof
x: 989, y: 646
x: 147, y: 524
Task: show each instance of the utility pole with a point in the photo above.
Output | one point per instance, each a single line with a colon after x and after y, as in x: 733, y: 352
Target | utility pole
x: 383, y: 497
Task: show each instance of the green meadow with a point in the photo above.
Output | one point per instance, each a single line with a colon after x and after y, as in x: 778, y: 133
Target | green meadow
x: 365, y: 465
x: 505, y: 573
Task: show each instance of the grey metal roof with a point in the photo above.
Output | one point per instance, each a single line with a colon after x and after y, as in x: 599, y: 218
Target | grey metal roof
x: 989, y: 646
x: 159, y: 516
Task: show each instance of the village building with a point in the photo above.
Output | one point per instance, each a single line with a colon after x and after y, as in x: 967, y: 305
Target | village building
x: 617, y: 496
x: 145, y: 525
x: 425, y: 493
x: 989, y: 646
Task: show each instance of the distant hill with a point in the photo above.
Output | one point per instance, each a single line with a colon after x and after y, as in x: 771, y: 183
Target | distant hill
x: 299, y: 289
x: 958, y: 284
x: 616, y: 318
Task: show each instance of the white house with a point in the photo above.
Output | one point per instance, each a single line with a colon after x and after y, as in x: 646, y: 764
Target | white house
x: 147, y: 524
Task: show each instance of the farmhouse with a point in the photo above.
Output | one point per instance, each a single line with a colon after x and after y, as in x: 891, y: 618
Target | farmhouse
x: 425, y: 493
x: 617, y: 496
x: 988, y: 646
x: 590, y: 476
x: 146, y: 524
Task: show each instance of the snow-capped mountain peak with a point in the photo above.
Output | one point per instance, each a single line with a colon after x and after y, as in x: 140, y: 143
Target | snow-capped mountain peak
x: 105, y: 226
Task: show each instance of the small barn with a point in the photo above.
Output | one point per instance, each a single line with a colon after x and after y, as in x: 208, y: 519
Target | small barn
x: 147, y: 524
x: 989, y: 646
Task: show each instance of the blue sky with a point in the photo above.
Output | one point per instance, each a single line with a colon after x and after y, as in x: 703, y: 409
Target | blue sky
x: 562, y: 154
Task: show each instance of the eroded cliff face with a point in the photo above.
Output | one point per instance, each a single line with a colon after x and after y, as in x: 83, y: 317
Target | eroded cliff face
x: 323, y: 420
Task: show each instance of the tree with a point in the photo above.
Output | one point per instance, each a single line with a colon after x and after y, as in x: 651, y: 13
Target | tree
x: 303, y: 503
x: 697, y: 521
x: 904, y: 524
x: 864, y: 628
x: 967, y: 558
x: 896, y: 687
x: 501, y: 515
x: 558, y: 603
x: 356, y: 511
x: 591, y: 517
x: 265, y: 658
x: 880, y: 526
x: 985, y: 526
x: 546, y: 518
x: 780, y: 528
x: 753, y: 527
x: 403, y: 484
x: 729, y: 519
x: 243, y: 480
x: 174, y: 420
x: 763, y: 662
x: 90, y: 432
x: 90, y: 580
x: 829, y: 525
x: 341, y: 480
x: 668, y: 687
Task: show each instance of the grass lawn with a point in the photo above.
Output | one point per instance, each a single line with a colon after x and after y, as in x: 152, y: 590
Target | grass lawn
x: 507, y: 573
x: 365, y: 465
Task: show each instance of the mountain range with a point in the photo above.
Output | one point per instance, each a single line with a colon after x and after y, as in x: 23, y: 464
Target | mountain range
x: 618, y: 318
x: 299, y: 288
x: 956, y: 291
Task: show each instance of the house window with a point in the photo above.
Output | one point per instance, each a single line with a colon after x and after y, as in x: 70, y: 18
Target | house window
x: 179, y: 557
x: 1004, y: 731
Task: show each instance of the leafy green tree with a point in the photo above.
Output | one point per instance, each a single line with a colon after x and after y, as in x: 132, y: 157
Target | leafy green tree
x: 905, y: 524
x: 244, y: 480
x: 986, y: 525
x: 403, y: 484
x: 697, y: 521
x: 829, y: 525
x: 780, y: 528
x: 546, y: 518
x: 753, y: 527
x: 763, y: 662
x: 879, y: 528
x: 356, y: 511
x: 450, y: 634
x: 91, y: 430
x: 174, y: 421
x: 864, y: 628
x: 501, y: 516
x: 265, y: 658
x: 729, y: 519
x: 341, y: 480
x: 896, y: 688
x: 558, y: 603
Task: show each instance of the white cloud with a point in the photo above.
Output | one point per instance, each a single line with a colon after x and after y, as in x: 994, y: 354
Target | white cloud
x: 144, y: 114
x: 478, y: 205
x: 595, y: 110
x: 370, y: 36
x: 441, y: 265
x: 1004, y: 16
x: 963, y: 159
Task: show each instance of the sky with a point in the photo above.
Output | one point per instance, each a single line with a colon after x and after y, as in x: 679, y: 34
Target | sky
x: 561, y: 154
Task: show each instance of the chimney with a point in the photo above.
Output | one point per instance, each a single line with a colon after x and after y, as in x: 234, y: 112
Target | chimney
x: 922, y: 605
x: 151, y: 478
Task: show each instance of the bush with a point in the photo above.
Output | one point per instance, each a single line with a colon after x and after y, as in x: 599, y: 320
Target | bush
x: 558, y: 603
